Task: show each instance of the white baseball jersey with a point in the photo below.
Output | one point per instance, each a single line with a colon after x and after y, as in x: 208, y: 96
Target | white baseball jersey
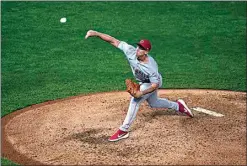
x: 143, y: 72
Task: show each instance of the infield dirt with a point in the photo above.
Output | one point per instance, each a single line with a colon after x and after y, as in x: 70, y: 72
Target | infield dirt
x: 74, y: 131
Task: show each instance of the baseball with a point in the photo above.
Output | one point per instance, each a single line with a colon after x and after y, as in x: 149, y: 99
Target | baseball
x: 63, y: 20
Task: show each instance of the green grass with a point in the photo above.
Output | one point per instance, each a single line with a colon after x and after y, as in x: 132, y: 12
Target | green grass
x: 6, y: 162
x: 196, y: 45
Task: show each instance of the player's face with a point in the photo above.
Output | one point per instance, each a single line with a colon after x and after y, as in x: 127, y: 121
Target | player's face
x: 140, y: 52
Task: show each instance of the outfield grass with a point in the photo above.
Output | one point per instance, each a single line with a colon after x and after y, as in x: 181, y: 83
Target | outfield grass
x: 7, y: 162
x: 196, y: 45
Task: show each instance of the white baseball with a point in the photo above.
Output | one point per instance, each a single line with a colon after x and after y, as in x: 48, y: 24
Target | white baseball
x: 63, y: 20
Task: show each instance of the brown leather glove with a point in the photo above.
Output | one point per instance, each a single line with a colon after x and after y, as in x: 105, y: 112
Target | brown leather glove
x: 132, y: 87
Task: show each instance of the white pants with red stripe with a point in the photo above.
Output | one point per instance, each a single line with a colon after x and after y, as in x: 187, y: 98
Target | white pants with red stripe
x: 153, y: 101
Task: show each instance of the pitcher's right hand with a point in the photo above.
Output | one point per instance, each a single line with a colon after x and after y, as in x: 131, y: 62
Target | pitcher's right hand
x: 91, y: 33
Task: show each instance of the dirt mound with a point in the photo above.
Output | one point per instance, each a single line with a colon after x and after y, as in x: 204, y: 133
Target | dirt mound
x: 74, y: 131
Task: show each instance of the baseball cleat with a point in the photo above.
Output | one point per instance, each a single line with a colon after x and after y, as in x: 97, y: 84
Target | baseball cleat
x: 119, y: 135
x: 183, y: 108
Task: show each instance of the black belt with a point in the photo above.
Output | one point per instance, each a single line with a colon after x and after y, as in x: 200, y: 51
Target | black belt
x: 146, y: 81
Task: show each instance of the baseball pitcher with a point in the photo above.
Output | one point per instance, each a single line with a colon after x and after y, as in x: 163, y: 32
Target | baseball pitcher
x: 145, y: 71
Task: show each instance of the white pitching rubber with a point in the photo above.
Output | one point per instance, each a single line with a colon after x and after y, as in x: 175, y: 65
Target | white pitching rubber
x: 207, y: 112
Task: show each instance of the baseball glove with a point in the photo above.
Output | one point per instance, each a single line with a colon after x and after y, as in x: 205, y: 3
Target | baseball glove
x: 132, y: 87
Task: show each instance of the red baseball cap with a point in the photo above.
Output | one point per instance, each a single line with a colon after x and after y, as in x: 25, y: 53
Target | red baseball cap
x: 145, y: 44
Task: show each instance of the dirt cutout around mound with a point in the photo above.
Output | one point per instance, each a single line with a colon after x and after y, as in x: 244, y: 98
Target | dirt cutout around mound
x: 74, y: 131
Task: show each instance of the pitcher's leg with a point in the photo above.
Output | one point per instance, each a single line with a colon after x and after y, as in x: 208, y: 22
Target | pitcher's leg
x: 156, y: 102
x: 130, y: 117
x: 180, y: 105
x: 132, y: 111
x: 134, y: 107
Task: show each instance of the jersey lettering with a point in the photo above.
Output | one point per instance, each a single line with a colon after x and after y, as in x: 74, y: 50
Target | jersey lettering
x: 141, y: 76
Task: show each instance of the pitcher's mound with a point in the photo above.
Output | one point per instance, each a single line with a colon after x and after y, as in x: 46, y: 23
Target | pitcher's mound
x: 74, y: 131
